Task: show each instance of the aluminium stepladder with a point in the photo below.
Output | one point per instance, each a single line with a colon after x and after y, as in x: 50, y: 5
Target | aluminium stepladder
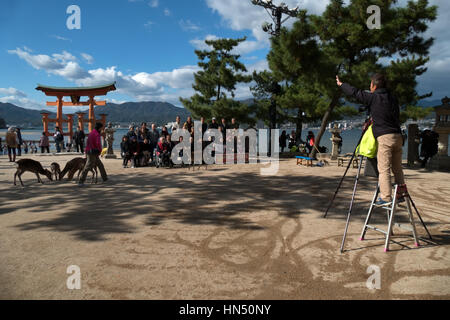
x: 401, y: 195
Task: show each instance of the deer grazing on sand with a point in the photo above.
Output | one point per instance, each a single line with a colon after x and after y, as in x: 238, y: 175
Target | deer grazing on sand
x: 25, y: 165
x: 56, y: 170
x: 74, y: 165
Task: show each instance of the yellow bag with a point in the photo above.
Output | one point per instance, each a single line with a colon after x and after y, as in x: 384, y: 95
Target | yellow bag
x: 104, y: 152
x: 368, y: 146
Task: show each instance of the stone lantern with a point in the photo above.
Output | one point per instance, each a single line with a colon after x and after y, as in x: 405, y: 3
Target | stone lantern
x: 442, y: 160
x: 336, y: 139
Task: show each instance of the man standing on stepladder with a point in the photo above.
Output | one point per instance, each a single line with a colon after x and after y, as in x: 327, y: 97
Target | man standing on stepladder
x: 385, y: 113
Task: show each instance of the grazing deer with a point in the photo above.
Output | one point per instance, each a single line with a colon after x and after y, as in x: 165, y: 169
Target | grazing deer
x: 25, y: 165
x: 74, y: 165
x: 56, y: 170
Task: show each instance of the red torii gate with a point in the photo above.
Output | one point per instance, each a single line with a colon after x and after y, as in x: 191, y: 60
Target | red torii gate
x: 75, y: 94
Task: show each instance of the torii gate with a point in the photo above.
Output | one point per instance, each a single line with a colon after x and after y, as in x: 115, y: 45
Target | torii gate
x: 75, y: 94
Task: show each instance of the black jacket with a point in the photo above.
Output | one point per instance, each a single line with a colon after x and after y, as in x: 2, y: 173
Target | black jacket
x: 125, y: 147
x: 383, y: 107
x: 153, y: 137
x: 146, y: 147
x: 79, y: 137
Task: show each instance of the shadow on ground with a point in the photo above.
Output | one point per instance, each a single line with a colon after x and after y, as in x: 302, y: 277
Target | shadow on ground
x: 193, y: 198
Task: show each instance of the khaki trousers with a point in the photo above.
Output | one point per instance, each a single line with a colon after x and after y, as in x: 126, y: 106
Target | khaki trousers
x: 389, y: 157
x: 91, y: 162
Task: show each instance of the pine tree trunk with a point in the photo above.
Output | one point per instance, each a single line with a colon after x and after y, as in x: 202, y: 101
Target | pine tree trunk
x: 323, y: 127
x: 299, y: 125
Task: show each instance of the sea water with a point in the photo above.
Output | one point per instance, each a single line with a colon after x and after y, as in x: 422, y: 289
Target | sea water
x: 350, y: 138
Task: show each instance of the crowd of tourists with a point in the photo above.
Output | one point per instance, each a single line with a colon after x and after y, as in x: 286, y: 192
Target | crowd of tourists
x: 143, y: 146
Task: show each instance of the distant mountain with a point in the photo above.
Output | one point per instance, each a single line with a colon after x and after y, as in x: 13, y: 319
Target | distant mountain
x: 430, y: 103
x: 152, y: 112
x: 159, y: 113
x: 15, y: 115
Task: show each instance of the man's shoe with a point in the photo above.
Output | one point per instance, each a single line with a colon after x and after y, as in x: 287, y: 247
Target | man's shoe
x: 381, y: 202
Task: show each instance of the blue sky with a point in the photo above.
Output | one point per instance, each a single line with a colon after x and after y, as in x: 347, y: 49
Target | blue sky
x: 147, y: 46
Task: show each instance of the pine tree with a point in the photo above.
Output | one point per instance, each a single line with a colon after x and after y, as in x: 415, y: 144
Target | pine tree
x: 339, y: 42
x: 265, y: 91
x: 216, y: 83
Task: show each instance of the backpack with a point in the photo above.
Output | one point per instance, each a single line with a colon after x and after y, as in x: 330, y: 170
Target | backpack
x: 59, y: 137
x: 369, y: 145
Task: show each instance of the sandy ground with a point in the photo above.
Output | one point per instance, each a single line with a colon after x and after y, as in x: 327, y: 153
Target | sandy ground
x: 223, y: 233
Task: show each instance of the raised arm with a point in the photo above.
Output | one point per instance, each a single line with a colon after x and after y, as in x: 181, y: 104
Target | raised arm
x: 360, y: 95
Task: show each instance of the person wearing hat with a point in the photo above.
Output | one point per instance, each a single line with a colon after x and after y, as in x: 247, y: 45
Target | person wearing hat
x: 214, y: 124
x: 385, y: 111
x: 131, y: 133
x: 11, y: 143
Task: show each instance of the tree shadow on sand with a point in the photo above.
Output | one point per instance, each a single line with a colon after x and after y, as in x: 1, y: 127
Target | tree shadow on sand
x: 225, y: 199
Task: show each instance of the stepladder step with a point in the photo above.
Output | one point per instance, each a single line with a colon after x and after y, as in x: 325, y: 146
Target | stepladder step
x: 401, y: 200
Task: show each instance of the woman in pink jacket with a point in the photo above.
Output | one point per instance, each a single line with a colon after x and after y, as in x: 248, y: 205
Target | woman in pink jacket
x: 93, y: 150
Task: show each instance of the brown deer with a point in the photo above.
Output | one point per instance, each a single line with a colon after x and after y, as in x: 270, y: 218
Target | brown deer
x: 25, y: 165
x: 74, y: 165
x: 56, y: 170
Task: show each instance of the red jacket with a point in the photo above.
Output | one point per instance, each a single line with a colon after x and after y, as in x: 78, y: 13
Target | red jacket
x: 94, y: 141
x: 161, y: 148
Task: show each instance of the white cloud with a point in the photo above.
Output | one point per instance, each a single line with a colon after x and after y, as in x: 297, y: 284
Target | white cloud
x: 37, y: 61
x: 134, y: 85
x: 18, y: 98
x: 64, y: 57
x: 437, y: 78
x: 158, y: 86
x: 148, y: 25
x: 188, y: 25
x: 116, y: 101
x: 243, y: 48
x: 61, y: 38
x: 200, y: 44
x: 22, y: 102
x: 154, y: 3
x: 258, y: 66
x: 63, y: 64
x: 142, y: 85
x: 243, y: 15
x: 12, y: 92
x: 88, y: 58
